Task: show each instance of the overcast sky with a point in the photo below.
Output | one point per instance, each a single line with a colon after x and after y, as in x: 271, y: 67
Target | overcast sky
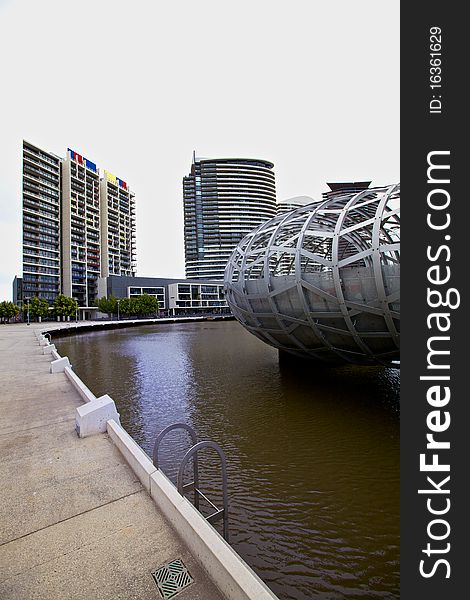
x: 137, y: 86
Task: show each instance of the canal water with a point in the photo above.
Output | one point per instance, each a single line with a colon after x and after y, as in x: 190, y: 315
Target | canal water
x: 313, y: 454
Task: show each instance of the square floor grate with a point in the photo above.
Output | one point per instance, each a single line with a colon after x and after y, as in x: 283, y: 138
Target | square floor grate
x: 172, y: 578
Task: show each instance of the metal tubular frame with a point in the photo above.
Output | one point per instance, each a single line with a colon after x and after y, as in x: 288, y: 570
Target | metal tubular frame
x: 322, y: 281
x: 193, y: 484
x: 219, y: 512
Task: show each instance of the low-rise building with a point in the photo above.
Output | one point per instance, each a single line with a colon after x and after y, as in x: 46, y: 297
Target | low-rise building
x: 175, y: 296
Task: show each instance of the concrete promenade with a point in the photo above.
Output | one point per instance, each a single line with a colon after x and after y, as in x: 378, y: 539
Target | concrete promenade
x: 75, y: 521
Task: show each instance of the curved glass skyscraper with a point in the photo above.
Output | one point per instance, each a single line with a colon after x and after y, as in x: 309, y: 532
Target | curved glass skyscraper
x: 224, y: 199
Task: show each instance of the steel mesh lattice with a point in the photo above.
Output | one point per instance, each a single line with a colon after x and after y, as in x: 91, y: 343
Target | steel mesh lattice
x: 323, y: 281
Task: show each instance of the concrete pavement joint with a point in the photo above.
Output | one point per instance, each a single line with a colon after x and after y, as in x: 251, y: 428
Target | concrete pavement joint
x: 79, y: 514
x: 63, y: 554
x: 37, y: 426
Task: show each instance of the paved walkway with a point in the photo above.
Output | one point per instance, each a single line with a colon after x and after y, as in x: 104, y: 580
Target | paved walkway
x: 74, y: 520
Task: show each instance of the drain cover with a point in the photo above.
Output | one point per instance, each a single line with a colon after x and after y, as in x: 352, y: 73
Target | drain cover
x: 172, y: 578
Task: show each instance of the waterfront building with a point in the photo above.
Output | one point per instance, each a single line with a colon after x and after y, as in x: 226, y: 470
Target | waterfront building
x: 17, y: 290
x: 117, y: 227
x: 175, y: 296
x: 80, y: 206
x: 77, y: 227
x: 224, y: 199
x: 201, y: 296
x: 41, y: 223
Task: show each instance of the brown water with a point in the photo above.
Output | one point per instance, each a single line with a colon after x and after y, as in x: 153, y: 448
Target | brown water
x: 313, y: 455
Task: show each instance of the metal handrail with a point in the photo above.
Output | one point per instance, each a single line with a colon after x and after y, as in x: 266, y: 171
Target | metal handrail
x: 193, y: 484
x: 219, y: 512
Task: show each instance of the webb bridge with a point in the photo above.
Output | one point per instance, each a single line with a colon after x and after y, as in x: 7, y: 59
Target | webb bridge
x: 323, y: 281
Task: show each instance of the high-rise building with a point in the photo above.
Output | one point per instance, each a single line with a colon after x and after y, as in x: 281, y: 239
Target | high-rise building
x: 117, y: 227
x: 41, y: 223
x: 76, y: 226
x: 80, y: 220
x: 224, y: 199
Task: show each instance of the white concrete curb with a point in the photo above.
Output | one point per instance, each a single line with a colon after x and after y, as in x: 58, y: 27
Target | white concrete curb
x: 85, y: 393
x: 234, y: 578
x: 139, y: 462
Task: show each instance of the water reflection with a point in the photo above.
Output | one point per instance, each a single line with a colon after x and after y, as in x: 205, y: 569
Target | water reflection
x: 313, y: 454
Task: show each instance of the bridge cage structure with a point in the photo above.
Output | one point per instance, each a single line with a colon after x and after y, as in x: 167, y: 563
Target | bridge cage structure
x: 323, y: 281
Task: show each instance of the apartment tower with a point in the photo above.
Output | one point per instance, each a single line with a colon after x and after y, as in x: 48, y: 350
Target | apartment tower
x: 41, y: 223
x: 80, y: 219
x: 117, y: 227
x: 224, y: 199
x: 77, y: 226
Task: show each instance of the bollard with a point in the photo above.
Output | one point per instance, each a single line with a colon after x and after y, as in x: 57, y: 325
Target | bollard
x: 58, y: 366
x: 92, y: 418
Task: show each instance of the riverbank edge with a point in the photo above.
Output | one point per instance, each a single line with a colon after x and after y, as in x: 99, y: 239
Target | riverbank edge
x: 234, y: 578
x: 58, y: 329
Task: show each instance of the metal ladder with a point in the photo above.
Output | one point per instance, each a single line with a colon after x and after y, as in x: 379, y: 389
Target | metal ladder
x: 220, y: 513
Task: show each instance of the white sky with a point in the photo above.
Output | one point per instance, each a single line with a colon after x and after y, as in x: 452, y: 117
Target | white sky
x: 312, y: 85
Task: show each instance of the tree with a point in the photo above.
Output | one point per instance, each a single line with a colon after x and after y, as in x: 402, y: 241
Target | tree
x: 107, y: 305
x: 147, y: 305
x: 143, y: 305
x: 38, y: 308
x: 3, y: 311
x: 8, y: 310
x: 127, y: 306
x: 64, y: 306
